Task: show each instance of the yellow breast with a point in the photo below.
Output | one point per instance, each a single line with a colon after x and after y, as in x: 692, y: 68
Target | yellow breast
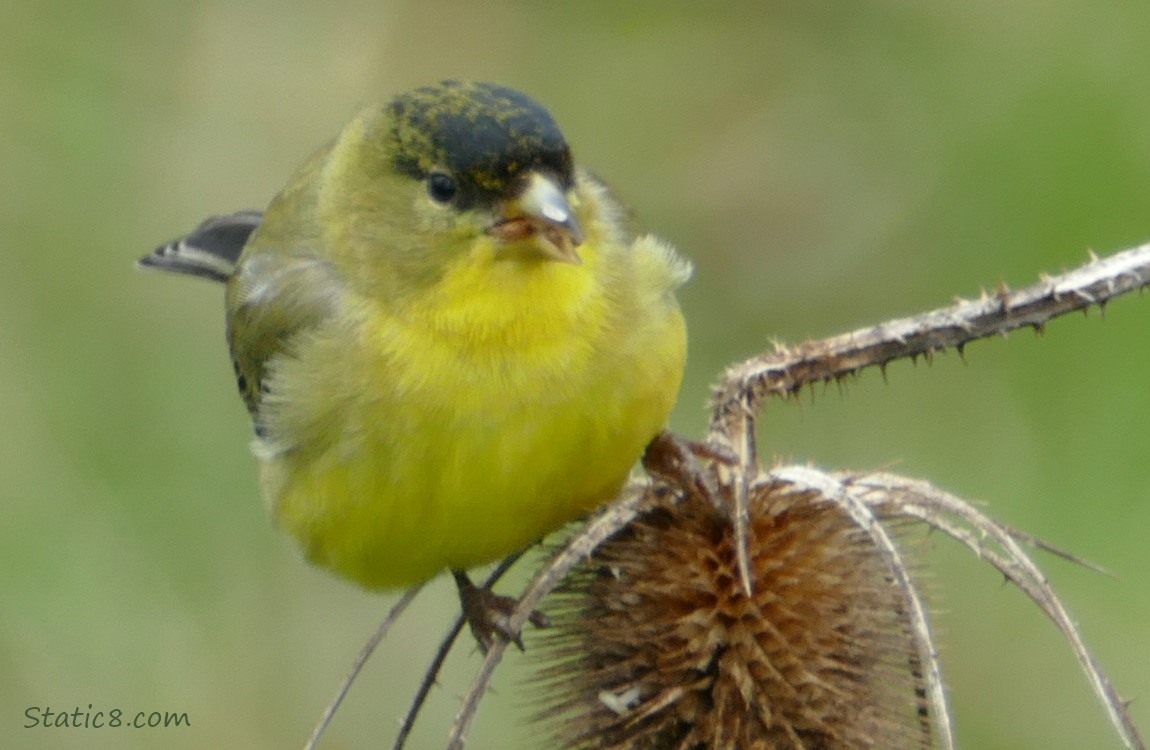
x: 515, y: 397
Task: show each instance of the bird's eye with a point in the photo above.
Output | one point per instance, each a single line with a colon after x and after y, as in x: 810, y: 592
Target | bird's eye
x: 441, y: 187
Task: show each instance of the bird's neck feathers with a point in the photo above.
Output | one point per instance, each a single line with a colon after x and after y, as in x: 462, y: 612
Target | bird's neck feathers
x: 501, y: 297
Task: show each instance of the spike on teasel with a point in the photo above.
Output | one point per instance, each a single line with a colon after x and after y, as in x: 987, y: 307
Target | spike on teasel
x: 655, y: 644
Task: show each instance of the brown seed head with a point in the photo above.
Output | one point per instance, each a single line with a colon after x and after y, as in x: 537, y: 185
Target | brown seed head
x: 655, y: 645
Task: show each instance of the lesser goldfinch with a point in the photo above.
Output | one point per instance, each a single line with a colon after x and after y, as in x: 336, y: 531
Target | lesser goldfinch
x: 448, y: 338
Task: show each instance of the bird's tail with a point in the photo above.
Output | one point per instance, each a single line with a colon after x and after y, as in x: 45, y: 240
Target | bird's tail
x: 210, y: 251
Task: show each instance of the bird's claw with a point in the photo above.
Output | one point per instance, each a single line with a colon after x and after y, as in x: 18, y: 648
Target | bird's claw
x: 489, y: 614
x: 679, y: 461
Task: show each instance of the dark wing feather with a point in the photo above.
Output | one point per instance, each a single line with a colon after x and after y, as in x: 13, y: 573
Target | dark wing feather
x: 210, y: 251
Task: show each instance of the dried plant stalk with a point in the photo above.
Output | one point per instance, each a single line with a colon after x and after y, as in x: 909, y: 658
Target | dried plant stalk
x: 893, y: 495
x: 605, y: 523
x: 743, y: 387
x: 804, y: 479
x: 364, y: 654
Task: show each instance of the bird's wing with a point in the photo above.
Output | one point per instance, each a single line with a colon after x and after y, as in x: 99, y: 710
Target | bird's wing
x: 210, y: 251
x: 273, y: 299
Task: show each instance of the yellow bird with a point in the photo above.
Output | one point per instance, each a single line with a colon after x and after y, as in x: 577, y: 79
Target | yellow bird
x: 448, y: 338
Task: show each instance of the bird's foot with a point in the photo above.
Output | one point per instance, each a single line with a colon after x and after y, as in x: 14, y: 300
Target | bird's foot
x: 680, y: 462
x: 489, y: 614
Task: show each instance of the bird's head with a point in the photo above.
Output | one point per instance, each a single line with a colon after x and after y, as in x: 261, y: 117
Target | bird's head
x: 491, y: 150
x: 444, y: 169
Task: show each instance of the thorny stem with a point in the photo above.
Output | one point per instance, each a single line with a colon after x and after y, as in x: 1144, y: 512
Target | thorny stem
x: 786, y: 370
x: 740, y: 392
x: 361, y: 659
x: 896, y: 495
x: 633, y: 500
x: 835, y: 491
x: 431, y: 674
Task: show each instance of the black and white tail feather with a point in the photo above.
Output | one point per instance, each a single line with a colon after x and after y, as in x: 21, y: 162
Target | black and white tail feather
x: 210, y: 251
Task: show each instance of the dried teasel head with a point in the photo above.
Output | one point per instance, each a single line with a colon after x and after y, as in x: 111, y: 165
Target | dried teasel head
x: 656, y: 645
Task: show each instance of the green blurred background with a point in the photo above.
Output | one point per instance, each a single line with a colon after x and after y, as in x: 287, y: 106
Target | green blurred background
x: 826, y: 165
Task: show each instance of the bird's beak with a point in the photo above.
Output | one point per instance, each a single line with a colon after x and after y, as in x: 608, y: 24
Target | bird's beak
x: 540, y: 210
